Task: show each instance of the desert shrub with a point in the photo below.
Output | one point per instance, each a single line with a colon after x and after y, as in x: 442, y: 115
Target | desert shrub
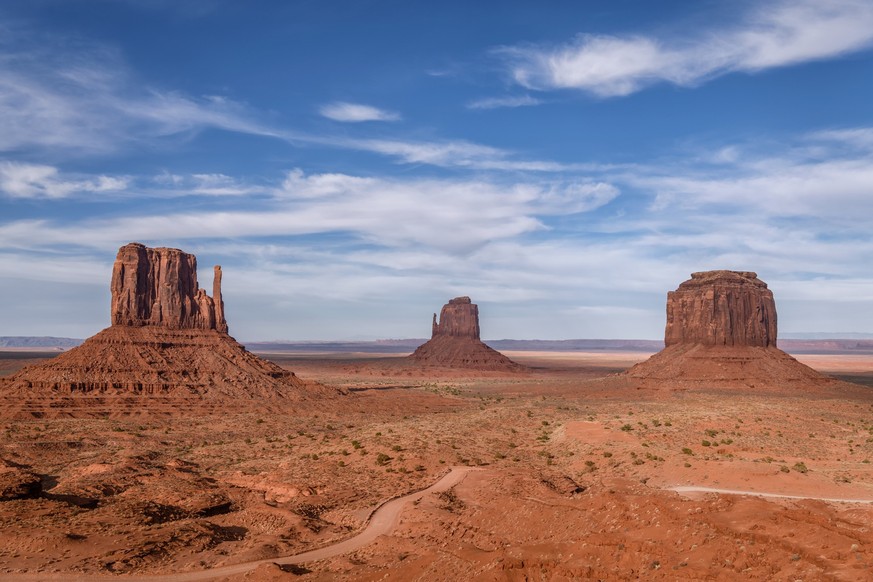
x: 382, y: 459
x: 687, y: 451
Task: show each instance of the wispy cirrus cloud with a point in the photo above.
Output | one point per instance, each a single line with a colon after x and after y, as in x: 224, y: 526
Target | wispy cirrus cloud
x: 819, y: 175
x: 773, y: 34
x: 83, y: 99
x: 381, y: 211
x: 498, y: 102
x: 22, y: 180
x: 356, y: 112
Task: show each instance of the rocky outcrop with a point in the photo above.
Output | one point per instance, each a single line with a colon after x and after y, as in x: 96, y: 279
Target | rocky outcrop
x: 455, y: 341
x: 458, y: 318
x: 721, y: 334
x: 167, y: 351
x: 721, y: 308
x: 159, y: 287
x: 17, y: 482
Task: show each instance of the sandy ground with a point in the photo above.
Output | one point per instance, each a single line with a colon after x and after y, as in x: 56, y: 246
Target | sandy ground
x: 575, y: 481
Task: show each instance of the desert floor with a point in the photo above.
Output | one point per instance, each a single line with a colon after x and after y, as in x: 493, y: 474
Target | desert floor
x: 561, y: 479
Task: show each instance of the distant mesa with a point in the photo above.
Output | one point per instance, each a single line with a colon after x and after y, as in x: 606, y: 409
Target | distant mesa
x: 166, y: 350
x: 455, y: 341
x: 721, y: 333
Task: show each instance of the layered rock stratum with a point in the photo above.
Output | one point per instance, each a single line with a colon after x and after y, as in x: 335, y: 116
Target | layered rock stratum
x: 721, y: 333
x: 167, y: 350
x: 455, y: 341
x: 721, y: 308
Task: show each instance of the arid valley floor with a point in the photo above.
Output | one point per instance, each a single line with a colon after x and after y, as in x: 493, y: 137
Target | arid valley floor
x: 572, y: 479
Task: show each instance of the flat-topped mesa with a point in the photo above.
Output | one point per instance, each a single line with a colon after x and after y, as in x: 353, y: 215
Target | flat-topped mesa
x: 458, y: 318
x: 721, y: 308
x: 158, y: 287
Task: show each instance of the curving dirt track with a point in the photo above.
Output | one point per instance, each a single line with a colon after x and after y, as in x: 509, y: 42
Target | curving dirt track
x: 695, y: 489
x: 382, y: 521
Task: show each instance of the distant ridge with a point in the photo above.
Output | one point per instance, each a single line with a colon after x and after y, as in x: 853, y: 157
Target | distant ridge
x: 23, y: 341
x: 824, y: 335
x: 403, y: 346
x: 857, y: 344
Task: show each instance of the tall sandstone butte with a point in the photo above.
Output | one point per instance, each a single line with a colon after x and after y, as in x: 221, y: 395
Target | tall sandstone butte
x: 455, y: 341
x: 166, y: 351
x: 721, y: 308
x: 721, y: 333
x: 159, y: 287
x: 458, y: 318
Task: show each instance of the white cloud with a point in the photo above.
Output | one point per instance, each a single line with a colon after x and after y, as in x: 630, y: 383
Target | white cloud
x: 21, y: 180
x: 775, y: 34
x: 455, y: 216
x: 497, y: 102
x: 356, y: 112
x: 826, y: 175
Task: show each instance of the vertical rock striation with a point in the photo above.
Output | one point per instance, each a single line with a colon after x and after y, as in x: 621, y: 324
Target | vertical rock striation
x: 158, y: 287
x: 721, y: 308
x: 458, y: 318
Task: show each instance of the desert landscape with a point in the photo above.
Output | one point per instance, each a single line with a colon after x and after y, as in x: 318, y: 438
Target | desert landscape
x: 718, y: 458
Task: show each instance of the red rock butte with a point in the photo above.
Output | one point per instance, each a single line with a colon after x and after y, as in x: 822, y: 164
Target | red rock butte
x: 721, y: 333
x: 455, y: 341
x: 159, y: 287
x: 721, y: 308
x: 167, y: 351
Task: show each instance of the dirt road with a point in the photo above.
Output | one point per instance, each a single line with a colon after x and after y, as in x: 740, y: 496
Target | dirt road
x: 382, y: 522
x: 695, y: 489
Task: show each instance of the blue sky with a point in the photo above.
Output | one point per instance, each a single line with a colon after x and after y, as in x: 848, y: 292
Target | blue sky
x: 353, y: 165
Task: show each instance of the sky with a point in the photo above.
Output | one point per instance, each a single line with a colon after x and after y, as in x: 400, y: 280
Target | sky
x: 352, y: 165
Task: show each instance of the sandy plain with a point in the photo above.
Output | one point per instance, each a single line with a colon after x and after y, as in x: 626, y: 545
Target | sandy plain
x: 572, y: 480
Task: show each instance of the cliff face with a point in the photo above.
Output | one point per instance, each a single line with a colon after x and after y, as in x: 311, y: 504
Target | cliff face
x: 721, y: 308
x: 458, y: 318
x: 158, y: 287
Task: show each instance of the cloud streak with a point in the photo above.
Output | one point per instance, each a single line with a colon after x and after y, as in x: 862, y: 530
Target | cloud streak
x: 498, y: 102
x: 386, y: 212
x: 775, y: 34
x: 356, y: 112
x: 22, y: 180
